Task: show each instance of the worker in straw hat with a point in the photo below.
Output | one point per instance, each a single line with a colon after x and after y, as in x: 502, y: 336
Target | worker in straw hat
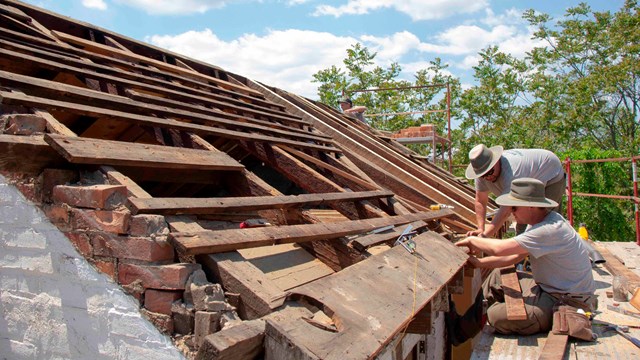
x: 559, y: 262
x: 493, y: 170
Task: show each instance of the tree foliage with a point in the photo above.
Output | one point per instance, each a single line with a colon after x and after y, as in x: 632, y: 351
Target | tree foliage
x: 577, y: 94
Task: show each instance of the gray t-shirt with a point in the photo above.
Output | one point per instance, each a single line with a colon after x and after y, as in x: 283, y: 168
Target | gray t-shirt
x: 518, y: 163
x: 559, y: 259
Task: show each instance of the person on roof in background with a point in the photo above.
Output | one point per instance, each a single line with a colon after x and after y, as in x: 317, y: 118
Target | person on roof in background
x: 561, y: 270
x: 354, y: 111
x: 494, y: 169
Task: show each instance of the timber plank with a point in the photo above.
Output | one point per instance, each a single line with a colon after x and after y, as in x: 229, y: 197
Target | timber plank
x: 512, y: 294
x: 56, y: 90
x: 26, y: 100
x: 243, y: 341
x: 28, y: 154
x: 136, y: 79
x: 209, y: 242
x: 104, y: 152
x: 234, y: 204
x: 616, y: 267
x: 372, y: 301
x: 555, y: 346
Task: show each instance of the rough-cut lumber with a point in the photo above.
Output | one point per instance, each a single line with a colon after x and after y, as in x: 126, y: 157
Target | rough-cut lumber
x: 104, y: 152
x: 37, y: 102
x: 28, y: 154
x: 512, y: 294
x: 233, y: 204
x: 210, y: 242
x: 370, y: 302
x: 56, y: 90
x: 554, y: 348
x: 243, y: 341
x: 616, y: 267
x: 137, y: 77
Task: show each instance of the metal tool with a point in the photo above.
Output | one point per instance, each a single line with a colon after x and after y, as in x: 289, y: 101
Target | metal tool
x: 623, y: 311
x: 406, y: 239
x: 622, y: 331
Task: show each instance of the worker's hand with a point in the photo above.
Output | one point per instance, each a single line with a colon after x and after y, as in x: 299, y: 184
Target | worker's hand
x: 467, y: 242
x: 476, y: 232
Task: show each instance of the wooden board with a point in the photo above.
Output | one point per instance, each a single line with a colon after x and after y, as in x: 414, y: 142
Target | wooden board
x: 372, y: 301
x: 512, y: 294
x: 209, y: 242
x: 234, y: 204
x: 616, y: 267
x: 287, y: 265
x: 104, y: 152
x: 363, y: 242
x: 554, y: 348
x: 28, y: 154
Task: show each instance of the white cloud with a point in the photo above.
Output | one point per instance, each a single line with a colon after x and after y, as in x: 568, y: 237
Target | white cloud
x: 95, y: 4
x: 176, y: 7
x: 416, y: 9
x: 393, y: 47
x: 285, y: 59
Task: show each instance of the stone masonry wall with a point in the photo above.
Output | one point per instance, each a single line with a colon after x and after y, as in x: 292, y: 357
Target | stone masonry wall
x: 54, y: 304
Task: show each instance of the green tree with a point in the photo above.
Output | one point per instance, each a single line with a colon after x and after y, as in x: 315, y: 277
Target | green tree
x: 359, y: 73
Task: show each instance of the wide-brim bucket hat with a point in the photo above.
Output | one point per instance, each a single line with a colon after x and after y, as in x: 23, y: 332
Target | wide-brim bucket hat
x: 482, y: 159
x: 526, y: 192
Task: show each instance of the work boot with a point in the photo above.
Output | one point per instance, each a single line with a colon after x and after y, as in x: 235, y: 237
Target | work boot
x: 465, y: 327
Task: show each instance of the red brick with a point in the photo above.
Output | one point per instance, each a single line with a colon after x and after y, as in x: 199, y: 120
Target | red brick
x: 107, y: 197
x: 30, y: 191
x: 81, y: 242
x: 25, y: 124
x: 164, y: 277
x: 116, y: 222
x: 148, y: 225
x: 159, y: 301
x: 163, y: 322
x: 53, y: 177
x: 136, y: 248
x: 108, y: 267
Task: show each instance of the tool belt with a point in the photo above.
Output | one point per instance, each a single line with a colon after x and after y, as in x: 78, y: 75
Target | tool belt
x: 572, y: 315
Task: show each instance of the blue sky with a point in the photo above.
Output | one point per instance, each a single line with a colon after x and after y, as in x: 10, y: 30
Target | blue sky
x: 284, y: 42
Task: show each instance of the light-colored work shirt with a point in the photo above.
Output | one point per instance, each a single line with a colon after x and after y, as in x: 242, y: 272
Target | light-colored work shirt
x: 559, y: 258
x: 518, y: 163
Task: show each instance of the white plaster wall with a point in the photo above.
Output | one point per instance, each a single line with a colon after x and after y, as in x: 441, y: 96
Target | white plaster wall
x: 54, y: 304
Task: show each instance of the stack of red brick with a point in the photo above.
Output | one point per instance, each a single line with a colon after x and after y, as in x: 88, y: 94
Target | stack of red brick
x: 133, y: 250
x: 424, y: 130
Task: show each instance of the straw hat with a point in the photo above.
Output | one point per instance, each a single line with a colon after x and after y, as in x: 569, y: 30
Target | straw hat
x: 526, y: 192
x: 482, y: 160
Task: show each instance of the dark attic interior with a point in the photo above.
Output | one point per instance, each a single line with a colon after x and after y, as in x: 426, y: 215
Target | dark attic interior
x: 245, y: 221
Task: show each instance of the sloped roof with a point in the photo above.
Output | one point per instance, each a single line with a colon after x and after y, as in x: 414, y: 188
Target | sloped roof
x: 209, y: 150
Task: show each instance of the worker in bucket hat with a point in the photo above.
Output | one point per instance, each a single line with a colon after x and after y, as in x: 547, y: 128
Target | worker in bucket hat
x: 560, y: 267
x: 493, y: 170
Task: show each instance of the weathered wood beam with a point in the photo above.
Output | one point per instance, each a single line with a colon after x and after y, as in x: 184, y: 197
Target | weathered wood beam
x: 25, y: 100
x: 512, y: 294
x: 234, y: 204
x: 210, y: 242
x: 308, y: 179
x: 134, y: 79
x: 59, y: 91
x: 28, y: 154
x: 554, y: 347
x: 103, y: 152
x: 242, y: 341
x: 370, y: 302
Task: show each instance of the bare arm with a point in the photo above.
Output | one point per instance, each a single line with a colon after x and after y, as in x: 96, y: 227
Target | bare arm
x: 356, y: 109
x: 495, y: 247
x: 482, y: 198
x: 492, y: 262
x: 498, y: 219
